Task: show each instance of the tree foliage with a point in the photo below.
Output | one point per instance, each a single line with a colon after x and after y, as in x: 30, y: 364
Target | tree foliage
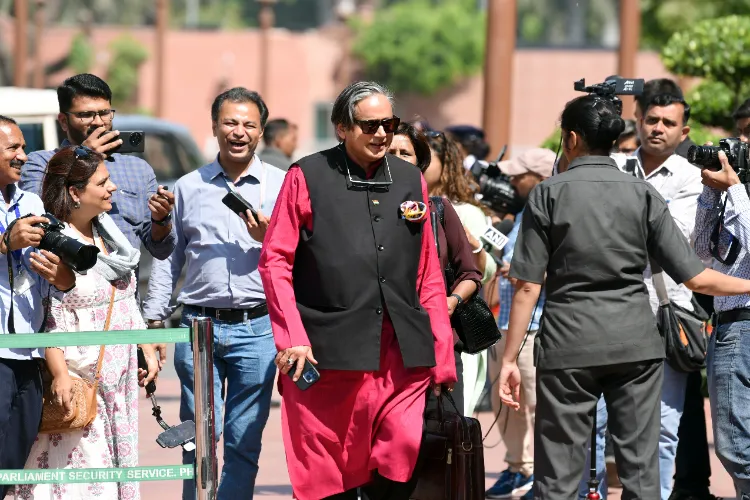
x: 81, y: 55
x: 717, y: 50
x: 127, y: 56
x: 422, y: 46
x: 662, y: 18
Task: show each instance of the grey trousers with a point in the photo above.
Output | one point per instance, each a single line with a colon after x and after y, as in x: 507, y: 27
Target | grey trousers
x: 566, y: 402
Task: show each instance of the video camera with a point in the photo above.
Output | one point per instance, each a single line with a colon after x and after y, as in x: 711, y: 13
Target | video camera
x: 738, y: 154
x: 495, y: 188
x: 611, y: 88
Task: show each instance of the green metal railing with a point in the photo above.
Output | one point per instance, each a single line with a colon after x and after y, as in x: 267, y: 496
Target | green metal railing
x: 200, y: 334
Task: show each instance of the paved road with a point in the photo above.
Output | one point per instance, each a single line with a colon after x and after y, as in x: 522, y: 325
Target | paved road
x: 273, y: 481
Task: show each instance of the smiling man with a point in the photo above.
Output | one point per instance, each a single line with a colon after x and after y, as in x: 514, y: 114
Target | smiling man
x: 355, y: 288
x: 221, y: 250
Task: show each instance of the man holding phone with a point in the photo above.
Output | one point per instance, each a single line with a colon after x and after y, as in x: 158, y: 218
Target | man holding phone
x: 219, y: 239
x: 140, y: 208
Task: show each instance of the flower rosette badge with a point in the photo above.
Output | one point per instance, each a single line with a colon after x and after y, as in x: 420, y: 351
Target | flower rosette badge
x: 414, y: 211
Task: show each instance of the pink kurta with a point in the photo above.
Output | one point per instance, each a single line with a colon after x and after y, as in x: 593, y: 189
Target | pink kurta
x: 349, y: 423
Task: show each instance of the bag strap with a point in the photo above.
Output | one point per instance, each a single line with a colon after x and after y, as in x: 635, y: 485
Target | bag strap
x: 657, y: 277
x: 106, y: 327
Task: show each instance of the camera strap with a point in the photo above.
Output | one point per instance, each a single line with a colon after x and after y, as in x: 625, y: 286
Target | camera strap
x: 734, y: 244
x: 261, y: 186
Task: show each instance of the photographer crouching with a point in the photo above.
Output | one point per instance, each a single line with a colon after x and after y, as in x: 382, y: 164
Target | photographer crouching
x: 22, y: 310
x: 722, y: 226
x: 591, y: 231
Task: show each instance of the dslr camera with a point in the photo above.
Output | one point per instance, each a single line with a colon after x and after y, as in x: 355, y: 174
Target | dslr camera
x: 76, y: 255
x: 738, y: 154
x: 611, y: 88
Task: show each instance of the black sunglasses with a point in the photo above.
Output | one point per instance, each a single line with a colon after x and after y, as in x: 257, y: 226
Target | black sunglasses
x: 371, y: 126
x: 434, y: 134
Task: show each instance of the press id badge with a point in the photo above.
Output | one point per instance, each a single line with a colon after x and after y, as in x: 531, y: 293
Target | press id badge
x: 22, y: 281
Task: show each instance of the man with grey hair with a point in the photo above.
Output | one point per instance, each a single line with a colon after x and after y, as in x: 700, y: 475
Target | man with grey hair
x: 354, y: 287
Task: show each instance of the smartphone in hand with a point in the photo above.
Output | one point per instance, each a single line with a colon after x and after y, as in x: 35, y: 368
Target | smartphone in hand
x: 239, y: 205
x: 309, y: 376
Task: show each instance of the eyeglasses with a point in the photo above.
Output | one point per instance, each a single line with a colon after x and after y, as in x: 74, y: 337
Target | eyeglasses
x: 371, y: 126
x: 87, y: 117
x: 368, y: 184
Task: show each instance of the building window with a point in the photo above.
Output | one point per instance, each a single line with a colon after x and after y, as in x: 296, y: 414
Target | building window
x: 568, y: 24
x: 323, y: 127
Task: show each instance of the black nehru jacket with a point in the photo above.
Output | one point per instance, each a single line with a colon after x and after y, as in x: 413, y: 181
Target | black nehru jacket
x: 360, y: 259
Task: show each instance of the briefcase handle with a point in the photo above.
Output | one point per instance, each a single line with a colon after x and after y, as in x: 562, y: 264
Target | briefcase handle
x: 466, y: 443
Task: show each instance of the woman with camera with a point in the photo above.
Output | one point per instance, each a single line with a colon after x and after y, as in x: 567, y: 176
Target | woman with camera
x: 446, y: 177
x: 453, y: 247
x: 588, y: 234
x: 77, y: 190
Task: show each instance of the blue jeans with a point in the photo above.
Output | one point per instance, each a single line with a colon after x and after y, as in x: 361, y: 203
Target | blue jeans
x: 601, y: 469
x: 243, y: 367
x: 672, y: 402
x: 728, y: 374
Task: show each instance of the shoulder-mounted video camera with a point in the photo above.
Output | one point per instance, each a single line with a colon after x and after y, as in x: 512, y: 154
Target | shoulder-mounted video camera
x: 611, y: 88
x: 495, y: 188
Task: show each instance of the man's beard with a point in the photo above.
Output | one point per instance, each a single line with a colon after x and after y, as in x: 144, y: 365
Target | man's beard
x: 78, y: 136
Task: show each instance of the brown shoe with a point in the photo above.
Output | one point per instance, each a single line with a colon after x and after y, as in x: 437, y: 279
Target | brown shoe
x: 613, y: 480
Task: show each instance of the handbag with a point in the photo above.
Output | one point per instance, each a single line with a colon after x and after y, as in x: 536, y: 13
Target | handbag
x: 473, y: 320
x: 451, y: 458
x: 54, y: 418
x: 683, y: 331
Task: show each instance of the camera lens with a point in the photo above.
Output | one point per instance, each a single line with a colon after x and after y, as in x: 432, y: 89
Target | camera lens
x: 136, y: 138
x: 706, y: 156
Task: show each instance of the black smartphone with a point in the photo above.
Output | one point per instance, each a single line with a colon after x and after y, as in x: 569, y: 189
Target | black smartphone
x: 309, y: 376
x: 132, y: 142
x: 179, y: 435
x: 239, y: 205
x: 151, y: 386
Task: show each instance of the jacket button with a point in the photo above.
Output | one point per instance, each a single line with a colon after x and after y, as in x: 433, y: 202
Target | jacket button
x: 381, y: 247
x: 376, y: 218
x: 382, y: 280
x: 379, y: 310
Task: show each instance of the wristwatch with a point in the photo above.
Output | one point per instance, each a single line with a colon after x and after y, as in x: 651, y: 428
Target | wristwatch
x: 165, y: 221
x: 458, y: 298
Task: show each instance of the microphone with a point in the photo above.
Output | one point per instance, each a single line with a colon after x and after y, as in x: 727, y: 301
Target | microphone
x: 495, y: 238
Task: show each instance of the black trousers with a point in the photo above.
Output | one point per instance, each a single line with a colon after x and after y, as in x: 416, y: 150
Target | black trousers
x: 566, y: 403
x: 692, y: 463
x: 20, y: 412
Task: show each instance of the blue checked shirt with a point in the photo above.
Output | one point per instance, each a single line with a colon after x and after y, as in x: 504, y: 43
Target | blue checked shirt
x: 736, y: 227
x: 135, y: 181
x: 505, y: 289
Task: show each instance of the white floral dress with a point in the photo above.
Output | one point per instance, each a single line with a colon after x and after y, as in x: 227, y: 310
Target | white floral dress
x: 112, y: 438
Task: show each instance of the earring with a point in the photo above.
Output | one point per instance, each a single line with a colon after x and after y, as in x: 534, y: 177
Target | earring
x: 76, y: 204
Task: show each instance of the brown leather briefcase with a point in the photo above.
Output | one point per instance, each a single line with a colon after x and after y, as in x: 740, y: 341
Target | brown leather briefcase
x: 451, y: 459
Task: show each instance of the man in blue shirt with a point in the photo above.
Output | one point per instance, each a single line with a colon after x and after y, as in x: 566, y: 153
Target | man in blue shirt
x: 221, y: 250
x: 86, y: 118
x: 20, y: 379
x: 517, y: 427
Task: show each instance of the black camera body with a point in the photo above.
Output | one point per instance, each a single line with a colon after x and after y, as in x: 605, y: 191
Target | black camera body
x: 611, y: 88
x: 738, y: 154
x: 76, y: 255
x: 495, y: 188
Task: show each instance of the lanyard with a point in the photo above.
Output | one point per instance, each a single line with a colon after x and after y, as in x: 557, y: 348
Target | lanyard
x: 262, y: 186
x: 16, y: 253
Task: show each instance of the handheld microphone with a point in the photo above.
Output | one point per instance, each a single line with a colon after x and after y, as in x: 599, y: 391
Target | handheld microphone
x: 495, y: 238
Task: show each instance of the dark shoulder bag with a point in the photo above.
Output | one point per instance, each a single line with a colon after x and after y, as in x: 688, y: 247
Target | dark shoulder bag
x: 683, y: 331
x: 473, y: 320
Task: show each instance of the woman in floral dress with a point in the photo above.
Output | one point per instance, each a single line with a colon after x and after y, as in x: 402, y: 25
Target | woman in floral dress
x: 77, y: 190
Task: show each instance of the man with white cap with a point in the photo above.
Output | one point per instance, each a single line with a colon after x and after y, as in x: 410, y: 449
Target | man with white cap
x: 526, y: 171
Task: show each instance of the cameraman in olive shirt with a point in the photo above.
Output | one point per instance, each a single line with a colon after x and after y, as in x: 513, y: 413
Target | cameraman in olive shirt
x: 591, y: 231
